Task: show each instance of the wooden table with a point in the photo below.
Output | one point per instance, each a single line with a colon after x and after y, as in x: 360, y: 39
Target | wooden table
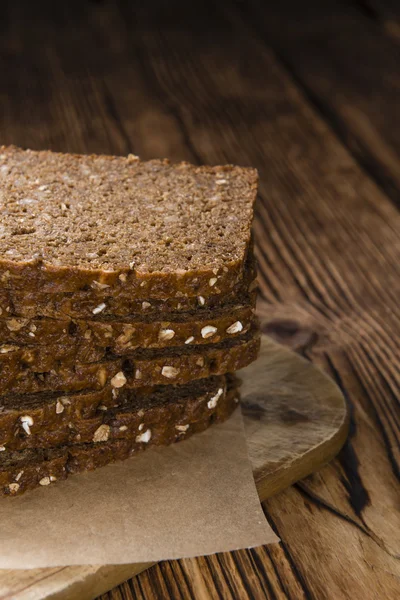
x: 307, y: 92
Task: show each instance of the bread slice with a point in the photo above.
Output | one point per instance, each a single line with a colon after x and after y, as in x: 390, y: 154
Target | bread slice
x: 27, y: 469
x: 111, y: 302
x: 154, y: 229
x: 90, y: 340
x: 37, y: 369
x: 50, y: 420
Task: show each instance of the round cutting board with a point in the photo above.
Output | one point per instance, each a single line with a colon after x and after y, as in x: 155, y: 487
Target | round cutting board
x: 295, y: 421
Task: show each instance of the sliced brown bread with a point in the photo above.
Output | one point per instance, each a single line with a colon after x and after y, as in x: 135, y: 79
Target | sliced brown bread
x: 71, y: 220
x: 27, y: 469
x: 50, y: 420
x: 107, y: 302
x: 84, y: 305
x: 36, y: 369
x: 90, y: 340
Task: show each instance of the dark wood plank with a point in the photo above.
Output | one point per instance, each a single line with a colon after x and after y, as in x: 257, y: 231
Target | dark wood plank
x: 347, y: 67
x: 387, y: 14
x: 156, y: 81
x: 381, y: 10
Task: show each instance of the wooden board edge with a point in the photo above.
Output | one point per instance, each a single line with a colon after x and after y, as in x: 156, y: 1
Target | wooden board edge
x: 273, y: 483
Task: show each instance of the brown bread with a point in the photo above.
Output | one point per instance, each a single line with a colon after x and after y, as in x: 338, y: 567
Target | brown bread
x: 90, y: 340
x: 27, y: 469
x: 37, y: 369
x: 84, y: 304
x: 71, y: 220
x: 50, y: 420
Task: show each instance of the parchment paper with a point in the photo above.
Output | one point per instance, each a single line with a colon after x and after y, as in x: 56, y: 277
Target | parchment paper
x: 196, y: 497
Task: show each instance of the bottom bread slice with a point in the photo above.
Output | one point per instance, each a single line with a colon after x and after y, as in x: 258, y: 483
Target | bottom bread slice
x: 163, y: 425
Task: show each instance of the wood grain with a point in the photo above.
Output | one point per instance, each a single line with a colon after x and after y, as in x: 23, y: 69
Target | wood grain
x: 214, y: 82
x: 295, y: 419
x: 348, y: 72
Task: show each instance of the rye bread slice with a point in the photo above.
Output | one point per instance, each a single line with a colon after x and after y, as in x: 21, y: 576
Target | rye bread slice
x: 50, y: 420
x: 38, y: 369
x: 110, y: 302
x: 70, y: 220
x: 90, y: 340
x: 27, y: 469
x: 84, y: 305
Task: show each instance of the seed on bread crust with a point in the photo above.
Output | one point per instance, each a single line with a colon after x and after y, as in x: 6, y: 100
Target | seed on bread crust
x: 102, y: 433
x: 119, y: 380
x: 169, y: 372
x: 13, y: 487
x: 166, y: 334
x: 208, y: 331
x: 99, y: 308
x: 212, y: 403
x: 236, y: 327
x: 45, y: 481
x: 26, y: 423
x: 144, y: 437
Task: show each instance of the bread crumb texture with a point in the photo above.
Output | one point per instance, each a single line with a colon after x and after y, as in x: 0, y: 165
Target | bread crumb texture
x: 114, y: 213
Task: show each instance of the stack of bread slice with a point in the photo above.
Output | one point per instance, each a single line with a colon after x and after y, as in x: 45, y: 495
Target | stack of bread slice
x: 127, y: 300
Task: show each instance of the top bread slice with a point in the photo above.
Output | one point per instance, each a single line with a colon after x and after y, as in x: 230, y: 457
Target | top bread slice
x: 157, y: 229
